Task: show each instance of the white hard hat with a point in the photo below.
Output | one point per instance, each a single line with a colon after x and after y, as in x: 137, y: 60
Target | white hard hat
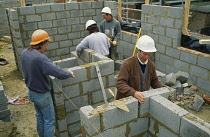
x: 89, y: 23
x: 106, y: 10
x: 146, y: 44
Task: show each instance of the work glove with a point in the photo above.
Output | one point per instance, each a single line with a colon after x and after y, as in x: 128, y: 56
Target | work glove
x: 114, y: 43
x: 110, y: 40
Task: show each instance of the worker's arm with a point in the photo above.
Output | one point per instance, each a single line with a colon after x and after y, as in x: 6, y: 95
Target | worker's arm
x: 82, y: 45
x: 117, y: 31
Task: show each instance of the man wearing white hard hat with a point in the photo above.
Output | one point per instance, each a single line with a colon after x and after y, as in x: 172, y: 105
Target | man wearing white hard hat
x: 96, y: 41
x: 111, y: 27
x: 138, y: 72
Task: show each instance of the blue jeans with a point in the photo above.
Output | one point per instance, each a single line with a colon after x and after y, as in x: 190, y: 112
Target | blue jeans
x: 45, y: 113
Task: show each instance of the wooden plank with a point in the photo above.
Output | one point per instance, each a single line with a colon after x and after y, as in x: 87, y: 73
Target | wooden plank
x: 204, y: 41
x: 186, y: 18
x: 146, y: 1
x: 119, y: 10
x: 23, y: 3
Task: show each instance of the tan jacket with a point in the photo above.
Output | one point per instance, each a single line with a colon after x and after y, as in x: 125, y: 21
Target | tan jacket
x: 128, y: 81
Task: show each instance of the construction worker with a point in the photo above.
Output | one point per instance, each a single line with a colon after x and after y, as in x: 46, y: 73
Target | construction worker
x: 96, y: 41
x: 36, y: 69
x: 111, y: 27
x: 138, y: 72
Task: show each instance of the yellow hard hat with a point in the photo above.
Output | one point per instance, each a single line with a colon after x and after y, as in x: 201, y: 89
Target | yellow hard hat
x: 39, y: 36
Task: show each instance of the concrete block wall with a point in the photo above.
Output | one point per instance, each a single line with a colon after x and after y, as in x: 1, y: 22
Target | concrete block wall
x: 3, y: 16
x: 65, y: 23
x: 164, y: 24
x: 156, y: 117
x: 31, y: 2
x: 4, y: 110
x: 71, y: 94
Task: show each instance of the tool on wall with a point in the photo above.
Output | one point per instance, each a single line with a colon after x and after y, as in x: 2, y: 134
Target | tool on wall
x: 139, y: 34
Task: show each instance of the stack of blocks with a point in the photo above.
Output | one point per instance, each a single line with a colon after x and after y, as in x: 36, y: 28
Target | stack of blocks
x: 4, y: 110
x: 156, y: 117
x: 71, y: 94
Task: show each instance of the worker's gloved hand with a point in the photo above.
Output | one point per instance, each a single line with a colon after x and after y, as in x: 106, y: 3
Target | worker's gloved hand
x: 114, y: 43
x: 110, y: 40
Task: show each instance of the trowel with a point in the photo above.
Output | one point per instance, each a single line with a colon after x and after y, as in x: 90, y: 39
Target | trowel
x: 118, y: 103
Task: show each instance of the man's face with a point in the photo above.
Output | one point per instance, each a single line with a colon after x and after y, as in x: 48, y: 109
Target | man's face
x: 144, y: 56
x: 44, y: 47
x: 106, y: 17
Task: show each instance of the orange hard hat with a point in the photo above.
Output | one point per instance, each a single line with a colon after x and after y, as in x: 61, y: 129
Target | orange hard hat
x: 39, y: 36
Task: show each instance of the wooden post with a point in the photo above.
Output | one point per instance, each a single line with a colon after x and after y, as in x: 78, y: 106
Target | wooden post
x: 23, y: 3
x: 186, y: 18
x: 119, y: 10
x: 146, y: 1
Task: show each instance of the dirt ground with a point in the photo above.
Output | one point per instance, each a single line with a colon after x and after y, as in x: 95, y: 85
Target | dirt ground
x: 24, y: 115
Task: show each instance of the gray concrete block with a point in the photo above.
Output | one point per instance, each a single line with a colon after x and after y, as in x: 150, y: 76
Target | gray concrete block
x: 77, y: 41
x: 27, y: 10
x: 164, y: 132
x: 62, y: 15
x: 182, y: 76
x: 166, y: 59
x: 58, y: 23
x: 176, y: 43
x: 42, y: 9
x: 167, y: 22
x: 53, y: 45
x: 173, y: 33
x: 75, y: 128
x: 64, y: 29
x: 5, y: 113
x: 45, y: 24
x: 62, y: 51
x: 192, y: 126
x: 154, y: 20
x: 73, y: 21
x: 146, y: 26
x: 159, y: 30
x: 177, y: 85
x: 111, y: 80
x: 48, y: 16
x: 136, y: 127
x: 120, y: 116
x: 84, y: 19
x: 188, y: 57
x: 58, y: 99
x: 78, y: 102
x: 30, y: 26
x: 175, y: 53
x: 57, y: 7
x: 170, y: 79
x: 78, y: 28
x: 71, y: 91
x: 91, y: 123
x: 85, y: 5
x: 74, y: 35
x: 33, y: 18
x: 118, y: 64
x: 97, y: 4
x: 72, y: 117
x: 197, y: 103
x: 160, y: 66
x: 56, y: 85
x: 62, y: 126
x: 114, y: 132
x: 203, y: 62
x: 178, y: 23
x: 144, y: 108
x: 160, y: 10
x: 72, y: 6
x: 181, y: 65
x: 199, y: 72
x: 175, y: 12
x: 89, y: 12
x: 126, y: 37
x: 147, y: 9
x: 98, y: 96
x: 66, y: 43
x: 167, y: 112
x: 76, y: 13
x: 165, y: 40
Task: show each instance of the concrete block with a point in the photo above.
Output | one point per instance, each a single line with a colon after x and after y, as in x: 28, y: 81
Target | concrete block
x: 175, y: 12
x: 98, y: 96
x: 178, y: 23
x: 144, y: 108
x: 84, y: 19
x: 87, y: 86
x: 57, y: 7
x: 77, y: 41
x: 60, y: 22
x: 98, y: 4
x: 170, y: 79
x: 114, y: 132
x: 45, y: 24
x: 111, y: 80
x: 85, y: 5
x: 118, y: 64
x: 66, y: 43
x: 120, y: 116
x: 27, y: 10
x: 74, y: 35
x: 203, y: 62
x: 5, y: 113
x: 147, y: 9
x: 62, y: 126
x: 166, y: 112
x: 74, y: 128
x: 72, y: 6
x: 136, y: 127
x: 167, y: 22
x: 146, y: 26
x: 71, y: 91
x: 192, y: 126
x: 173, y: 33
x: 80, y: 75
x: 89, y: 12
x: 76, y: 13
x: 30, y: 26
x: 165, y: 41
x: 72, y: 117
x: 159, y: 30
x: 78, y: 102
x: 48, y: 16
x: 58, y: 99
x: 56, y: 85
x: 78, y: 28
x: 160, y: 10
x: 164, y: 132
x: 166, y: 59
x: 198, y: 103
x: 73, y: 21
x: 177, y: 85
x: 62, y: 51
x: 182, y: 76
x: 64, y: 29
x: 181, y: 65
x: 42, y: 9
x: 62, y: 15
x: 199, y: 72
x: 91, y: 123
x: 33, y: 18
x: 188, y: 57
x: 154, y: 20
x: 98, y: 57
x: 175, y: 53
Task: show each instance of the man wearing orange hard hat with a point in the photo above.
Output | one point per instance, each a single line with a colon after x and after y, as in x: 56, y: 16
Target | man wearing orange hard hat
x: 36, y: 69
x: 138, y: 72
